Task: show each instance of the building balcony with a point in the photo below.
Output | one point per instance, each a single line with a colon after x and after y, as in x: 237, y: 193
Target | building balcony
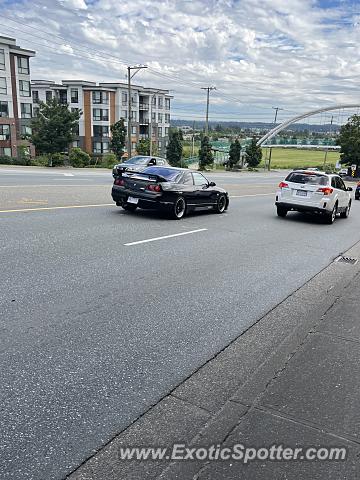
x: 143, y: 136
x: 143, y: 106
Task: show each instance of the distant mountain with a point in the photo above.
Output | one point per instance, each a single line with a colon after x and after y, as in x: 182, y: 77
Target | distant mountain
x: 296, y: 127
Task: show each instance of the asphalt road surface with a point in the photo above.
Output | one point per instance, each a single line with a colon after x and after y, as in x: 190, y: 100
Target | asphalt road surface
x: 97, y: 325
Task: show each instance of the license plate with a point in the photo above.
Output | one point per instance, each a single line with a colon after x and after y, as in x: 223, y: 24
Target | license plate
x: 132, y: 200
x: 301, y: 193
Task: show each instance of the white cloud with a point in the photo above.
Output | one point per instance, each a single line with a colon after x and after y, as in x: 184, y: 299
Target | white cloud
x: 291, y: 53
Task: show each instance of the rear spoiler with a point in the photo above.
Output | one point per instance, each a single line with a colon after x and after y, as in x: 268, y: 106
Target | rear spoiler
x: 151, y: 176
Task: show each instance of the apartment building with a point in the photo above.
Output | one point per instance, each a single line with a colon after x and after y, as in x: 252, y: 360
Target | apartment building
x: 15, y: 97
x: 105, y: 103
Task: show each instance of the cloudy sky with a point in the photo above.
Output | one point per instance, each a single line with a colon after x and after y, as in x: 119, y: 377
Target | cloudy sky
x: 295, y: 54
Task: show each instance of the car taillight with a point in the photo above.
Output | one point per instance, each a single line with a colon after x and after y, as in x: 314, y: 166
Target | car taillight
x: 120, y: 182
x: 153, y: 188
x: 325, y: 190
x: 283, y: 185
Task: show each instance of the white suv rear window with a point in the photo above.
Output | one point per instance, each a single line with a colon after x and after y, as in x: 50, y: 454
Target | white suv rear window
x: 311, y: 179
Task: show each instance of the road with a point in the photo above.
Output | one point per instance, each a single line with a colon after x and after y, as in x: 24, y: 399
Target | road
x: 97, y: 327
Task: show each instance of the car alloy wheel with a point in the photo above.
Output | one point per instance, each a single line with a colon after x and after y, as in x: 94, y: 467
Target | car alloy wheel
x: 330, y: 217
x: 179, y: 208
x: 220, y: 204
x: 347, y: 211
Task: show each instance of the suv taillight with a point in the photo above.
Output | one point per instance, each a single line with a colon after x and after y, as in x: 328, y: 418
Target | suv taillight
x: 325, y: 190
x: 283, y: 185
x: 120, y: 182
x: 153, y: 188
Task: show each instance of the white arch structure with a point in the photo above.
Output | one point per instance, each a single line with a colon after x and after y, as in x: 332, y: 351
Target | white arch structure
x: 292, y: 120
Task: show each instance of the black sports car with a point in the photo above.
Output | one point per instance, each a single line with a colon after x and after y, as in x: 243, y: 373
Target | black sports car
x: 138, y: 164
x: 176, y: 190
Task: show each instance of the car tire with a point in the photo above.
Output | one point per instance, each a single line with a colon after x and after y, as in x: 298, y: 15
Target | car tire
x: 220, y: 206
x: 281, y: 211
x: 129, y: 207
x: 347, y: 211
x: 357, y: 198
x: 178, y: 209
x: 330, y: 217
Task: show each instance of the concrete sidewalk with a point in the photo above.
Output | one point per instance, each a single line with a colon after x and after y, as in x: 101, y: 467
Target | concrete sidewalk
x: 292, y: 379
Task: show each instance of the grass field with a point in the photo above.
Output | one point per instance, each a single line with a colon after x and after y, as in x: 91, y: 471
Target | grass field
x: 294, y: 158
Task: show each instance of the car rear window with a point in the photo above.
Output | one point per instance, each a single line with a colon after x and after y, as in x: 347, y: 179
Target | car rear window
x: 169, y: 174
x: 308, y: 178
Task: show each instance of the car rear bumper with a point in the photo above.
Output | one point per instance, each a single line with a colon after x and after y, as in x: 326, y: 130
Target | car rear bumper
x: 146, y: 200
x: 302, y: 207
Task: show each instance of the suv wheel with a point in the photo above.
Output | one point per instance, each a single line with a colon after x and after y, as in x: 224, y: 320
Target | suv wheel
x: 281, y: 211
x: 346, y: 213
x: 330, y: 217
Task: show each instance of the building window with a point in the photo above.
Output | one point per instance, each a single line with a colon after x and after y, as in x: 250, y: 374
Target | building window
x: 5, y: 151
x: 160, y: 131
x: 25, y: 110
x: 24, y: 88
x: 134, y: 98
x: 133, y: 116
x: 133, y: 130
x: 167, y: 117
x: 74, y: 94
x: 4, y: 132
x: 36, y: 111
x: 100, y: 97
x: 76, y: 130
x: 124, y: 98
x: 3, y: 85
x: 74, y: 109
x: 25, y: 130
x: 160, y: 117
x: 100, y: 147
x: 166, y: 131
x: 23, y: 65
x: 75, y: 143
x: 100, y: 115
x: 124, y: 114
x: 63, y: 97
x: 167, y: 103
x: 153, y: 101
x: 2, y: 59
x: 4, y: 109
x: 153, y: 116
x: 101, y: 130
x: 160, y: 102
x: 159, y: 144
x: 48, y: 95
x: 35, y: 96
x: 133, y: 146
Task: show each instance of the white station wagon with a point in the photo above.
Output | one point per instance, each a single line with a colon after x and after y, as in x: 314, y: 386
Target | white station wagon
x: 314, y: 192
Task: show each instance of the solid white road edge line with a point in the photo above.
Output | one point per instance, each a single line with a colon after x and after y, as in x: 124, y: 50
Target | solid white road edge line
x: 164, y: 237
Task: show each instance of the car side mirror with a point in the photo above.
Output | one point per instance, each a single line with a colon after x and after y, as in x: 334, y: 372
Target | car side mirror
x: 212, y: 184
x: 349, y: 189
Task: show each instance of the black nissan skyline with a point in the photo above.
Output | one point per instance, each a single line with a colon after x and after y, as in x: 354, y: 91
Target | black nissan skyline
x: 175, y: 190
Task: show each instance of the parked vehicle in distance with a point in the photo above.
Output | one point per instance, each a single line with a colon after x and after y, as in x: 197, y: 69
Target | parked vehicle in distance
x: 357, y: 191
x: 138, y: 164
x: 313, y: 192
x: 174, y: 190
x: 343, y: 172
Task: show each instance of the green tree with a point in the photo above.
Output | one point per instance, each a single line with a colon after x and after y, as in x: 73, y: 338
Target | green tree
x: 349, y: 141
x: 254, y: 153
x: 234, y: 153
x: 118, y: 138
x: 54, y: 128
x: 174, y: 148
x: 143, y: 146
x: 79, y: 158
x: 205, y: 154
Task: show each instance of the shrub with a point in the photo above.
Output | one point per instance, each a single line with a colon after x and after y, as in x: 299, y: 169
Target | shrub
x: 40, y: 161
x: 79, y: 158
x: 57, y: 159
x: 109, y: 160
x: 6, y: 160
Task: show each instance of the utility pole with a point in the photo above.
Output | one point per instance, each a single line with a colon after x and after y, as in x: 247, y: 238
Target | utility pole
x: 137, y: 68
x: 207, y: 107
x: 327, y: 147
x: 276, y: 114
x: 193, y: 140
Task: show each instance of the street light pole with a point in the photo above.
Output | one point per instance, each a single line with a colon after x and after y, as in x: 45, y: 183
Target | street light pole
x: 270, y: 152
x: 207, y: 107
x: 137, y: 68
